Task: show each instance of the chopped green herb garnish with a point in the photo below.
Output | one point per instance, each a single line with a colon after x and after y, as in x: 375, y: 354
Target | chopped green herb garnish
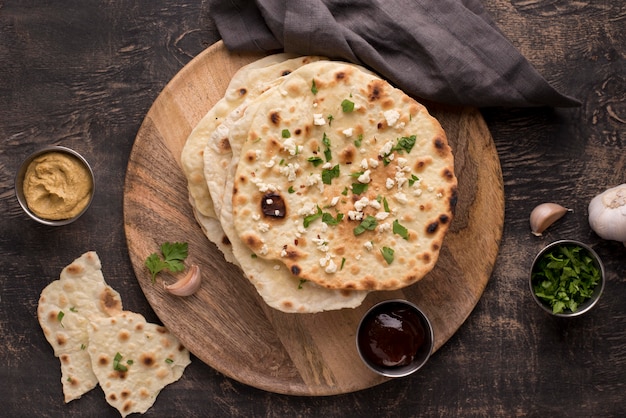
x: 347, y: 106
x: 313, y: 87
x: 367, y: 224
x: 291, y: 190
x: 174, y: 254
x: 60, y: 316
x: 386, y: 205
x: 413, y: 179
x: 302, y: 281
x: 310, y: 218
x: 253, y: 255
x: 285, y: 133
x: 387, y: 254
x: 358, y: 188
x: 327, y: 153
x: 315, y: 161
x: 329, y: 174
x: 83, y: 346
x: 565, y: 277
x: 400, y: 230
x: 345, y: 191
x: 358, y: 141
x: 117, y: 365
x: 356, y: 174
x: 330, y: 119
x: 73, y: 309
x: 169, y: 360
x: 328, y: 219
x: 281, y: 162
x: 405, y: 143
x: 343, y: 262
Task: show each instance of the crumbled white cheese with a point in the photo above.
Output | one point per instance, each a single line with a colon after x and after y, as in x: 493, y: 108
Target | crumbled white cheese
x: 290, y: 146
x: 283, y: 253
x: 258, y: 154
x: 307, y: 208
x: 355, y: 215
x: 417, y: 192
x: 381, y: 216
x: 368, y: 245
x: 264, y: 249
x: 431, y: 189
x: 269, y: 201
x: 290, y: 171
x: 276, y: 267
x: 401, y: 197
x: 385, y: 150
x: 401, y: 162
x: 364, y: 164
x: 361, y: 204
x: 318, y: 119
x: 327, y: 166
x: 373, y: 162
x: 315, y: 179
x: 270, y: 163
x: 277, y: 213
x: 383, y: 227
x: 256, y: 216
x: 264, y: 187
x: 263, y: 227
x: 334, y: 201
x: 439, y: 195
x: 321, y: 244
x: 348, y: 132
x: 375, y: 204
x: 391, y: 116
x: 365, y: 177
x: 331, y: 268
x: 389, y: 183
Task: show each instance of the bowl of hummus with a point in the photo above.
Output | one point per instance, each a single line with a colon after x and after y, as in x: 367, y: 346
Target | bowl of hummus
x: 55, y: 185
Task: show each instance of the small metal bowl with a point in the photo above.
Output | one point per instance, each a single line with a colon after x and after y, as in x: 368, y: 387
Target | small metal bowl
x: 19, y: 184
x: 394, y: 338
x: 588, y: 303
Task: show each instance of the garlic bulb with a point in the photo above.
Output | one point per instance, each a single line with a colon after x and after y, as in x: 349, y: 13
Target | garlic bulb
x: 544, y: 215
x: 607, y: 214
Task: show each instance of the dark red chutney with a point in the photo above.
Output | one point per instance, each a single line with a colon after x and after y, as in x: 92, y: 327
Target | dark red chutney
x: 391, y: 336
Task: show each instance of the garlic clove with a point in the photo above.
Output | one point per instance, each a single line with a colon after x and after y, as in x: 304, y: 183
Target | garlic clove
x: 188, y: 285
x: 545, y: 215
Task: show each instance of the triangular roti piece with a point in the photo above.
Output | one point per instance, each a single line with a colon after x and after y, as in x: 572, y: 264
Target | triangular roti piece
x: 65, y: 308
x: 133, y: 360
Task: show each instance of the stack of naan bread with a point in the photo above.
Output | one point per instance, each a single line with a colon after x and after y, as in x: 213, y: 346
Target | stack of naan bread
x: 321, y: 181
x: 98, y: 342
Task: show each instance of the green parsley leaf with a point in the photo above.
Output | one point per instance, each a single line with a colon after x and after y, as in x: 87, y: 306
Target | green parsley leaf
x: 400, y: 230
x: 405, y: 143
x: 117, y: 365
x: 310, y: 218
x: 387, y: 254
x: 313, y: 87
x: 367, y: 224
x: 345, y: 191
x: 285, y: 133
x: 413, y: 179
x: 327, y: 153
x: 358, y: 141
x: 329, y: 174
x: 169, y: 360
x: 347, y: 106
x: 343, y: 262
x: 174, y: 255
x: 315, y: 161
x: 73, y: 309
x: 60, y: 316
x: 328, y: 219
x: 358, y: 188
x: 291, y: 190
x: 302, y: 282
x: 386, y: 205
x: 330, y: 119
x: 83, y: 346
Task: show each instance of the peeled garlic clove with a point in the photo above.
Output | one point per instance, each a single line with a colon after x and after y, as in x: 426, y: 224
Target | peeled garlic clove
x: 188, y: 285
x: 545, y: 215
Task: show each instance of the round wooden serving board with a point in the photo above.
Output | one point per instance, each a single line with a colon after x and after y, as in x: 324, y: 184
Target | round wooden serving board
x: 226, y: 324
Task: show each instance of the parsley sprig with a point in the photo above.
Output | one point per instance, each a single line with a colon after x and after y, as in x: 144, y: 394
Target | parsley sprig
x: 172, y: 259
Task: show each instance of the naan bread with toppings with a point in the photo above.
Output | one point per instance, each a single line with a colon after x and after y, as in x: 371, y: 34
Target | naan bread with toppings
x: 344, y: 179
x: 66, y: 306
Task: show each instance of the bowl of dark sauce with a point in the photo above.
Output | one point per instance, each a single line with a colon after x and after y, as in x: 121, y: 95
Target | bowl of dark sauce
x: 394, y: 338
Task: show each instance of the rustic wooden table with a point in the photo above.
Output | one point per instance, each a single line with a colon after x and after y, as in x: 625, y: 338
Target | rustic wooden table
x: 84, y: 74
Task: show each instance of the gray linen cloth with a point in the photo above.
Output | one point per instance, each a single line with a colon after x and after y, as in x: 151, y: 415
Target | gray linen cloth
x: 446, y: 51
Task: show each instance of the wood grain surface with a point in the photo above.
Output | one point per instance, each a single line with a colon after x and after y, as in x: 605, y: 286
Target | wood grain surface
x: 226, y: 324
x: 84, y: 74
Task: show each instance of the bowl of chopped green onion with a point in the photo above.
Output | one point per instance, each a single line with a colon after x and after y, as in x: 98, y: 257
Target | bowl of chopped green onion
x: 567, y: 278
